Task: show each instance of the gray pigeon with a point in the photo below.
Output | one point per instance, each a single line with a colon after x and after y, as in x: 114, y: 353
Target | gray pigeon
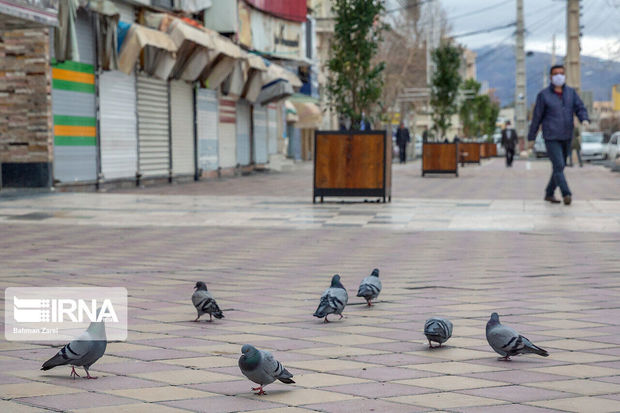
x: 370, y: 287
x: 508, y: 342
x: 333, y: 300
x: 83, y: 351
x: 260, y: 367
x: 205, y: 303
x: 437, y: 329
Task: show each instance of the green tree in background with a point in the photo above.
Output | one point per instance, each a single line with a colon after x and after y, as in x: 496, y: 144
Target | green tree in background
x: 478, y: 113
x: 445, y: 85
x: 354, y: 83
x: 468, y: 112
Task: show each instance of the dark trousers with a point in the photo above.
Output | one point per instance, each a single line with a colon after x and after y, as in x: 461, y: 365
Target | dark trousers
x: 402, y: 153
x: 557, y: 152
x: 510, y: 155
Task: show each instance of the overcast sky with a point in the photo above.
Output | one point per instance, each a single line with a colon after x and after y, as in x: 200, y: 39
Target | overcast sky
x: 543, y: 18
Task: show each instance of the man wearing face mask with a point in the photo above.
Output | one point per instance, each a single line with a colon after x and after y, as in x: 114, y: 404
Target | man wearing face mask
x: 555, y: 107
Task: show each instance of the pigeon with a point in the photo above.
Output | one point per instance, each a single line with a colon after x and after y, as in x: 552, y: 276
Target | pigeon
x: 437, y: 329
x: 370, y: 287
x: 508, y: 342
x: 333, y: 300
x: 260, y: 367
x: 205, y: 303
x: 83, y: 351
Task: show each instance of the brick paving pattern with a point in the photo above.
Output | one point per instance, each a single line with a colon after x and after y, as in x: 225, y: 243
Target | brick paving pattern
x: 560, y: 288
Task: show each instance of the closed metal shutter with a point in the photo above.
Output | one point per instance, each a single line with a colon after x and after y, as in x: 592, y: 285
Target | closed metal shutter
x: 259, y: 119
x: 153, y: 127
x: 182, y: 118
x: 272, y: 126
x: 206, y: 114
x: 227, y: 132
x: 74, y: 109
x: 244, y: 147
x: 126, y: 12
x: 118, y: 133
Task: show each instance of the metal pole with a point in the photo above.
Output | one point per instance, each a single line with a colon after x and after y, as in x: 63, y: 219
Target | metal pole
x: 520, y: 90
x: 573, y: 64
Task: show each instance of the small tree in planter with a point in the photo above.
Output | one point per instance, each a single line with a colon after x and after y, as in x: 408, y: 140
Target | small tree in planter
x: 445, y: 85
x: 354, y: 82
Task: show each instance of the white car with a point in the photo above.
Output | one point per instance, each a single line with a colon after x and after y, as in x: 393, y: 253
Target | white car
x: 497, y: 139
x: 593, y: 146
x: 613, y: 147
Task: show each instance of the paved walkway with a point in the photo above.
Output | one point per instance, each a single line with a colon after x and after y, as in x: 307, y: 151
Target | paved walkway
x: 551, y: 272
x: 490, y: 180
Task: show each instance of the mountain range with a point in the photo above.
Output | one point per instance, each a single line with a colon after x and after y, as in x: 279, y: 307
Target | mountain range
x: 496, y: 65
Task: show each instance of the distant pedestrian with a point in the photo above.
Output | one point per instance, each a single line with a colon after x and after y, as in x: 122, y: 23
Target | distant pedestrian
x: 364, y: 123
x: 402, y: 139
x: 555, y: 107
x: 575, y: 146
x: 425, y: 134
x: 509, y: 142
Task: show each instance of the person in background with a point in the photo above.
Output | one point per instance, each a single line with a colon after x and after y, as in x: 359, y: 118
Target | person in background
x: 402, y: 139
x: 364, y: 123
x: 575, y: 146
x: 509, y: 142
x: 425, y: 134
x: 555, y: 107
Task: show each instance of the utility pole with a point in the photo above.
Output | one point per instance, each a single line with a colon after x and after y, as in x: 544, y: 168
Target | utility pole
x: 553, y: 50
x: 520, y: 90
x: 573, y: 49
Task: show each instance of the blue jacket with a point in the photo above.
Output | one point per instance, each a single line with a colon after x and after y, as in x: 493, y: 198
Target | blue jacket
x: 556, y: 115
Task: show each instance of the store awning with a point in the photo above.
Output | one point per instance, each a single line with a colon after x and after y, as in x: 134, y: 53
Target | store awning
x: 256, y: 62
x: 291, y: 112
x: 310, y: 115
x: 275, y: 72
x: 272, y: 92
x: 160, y: 50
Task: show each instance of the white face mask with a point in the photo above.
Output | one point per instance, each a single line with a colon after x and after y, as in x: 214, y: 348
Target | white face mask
x: 558, y: 79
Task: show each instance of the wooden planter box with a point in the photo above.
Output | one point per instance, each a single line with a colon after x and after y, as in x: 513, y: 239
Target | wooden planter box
x: 488, y: 150
x: 469, y: 152
x: 352, y: 163
x: 440, y: 158
x: 491, y: 150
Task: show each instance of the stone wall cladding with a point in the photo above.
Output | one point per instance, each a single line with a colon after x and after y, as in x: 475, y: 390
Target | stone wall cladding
x: 26, y: 121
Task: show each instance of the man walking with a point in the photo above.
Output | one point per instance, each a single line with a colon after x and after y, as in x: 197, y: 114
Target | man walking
x: 402, y: 139
x: 509, y: 142
x: 554, y: 108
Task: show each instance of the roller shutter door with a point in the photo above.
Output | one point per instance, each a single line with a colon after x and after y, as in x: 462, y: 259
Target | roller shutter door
x: 182, y: 118
x: 153, y: 127
x: 74, y: 109
x: 259, y: 122
x: 272, y: 126
x: 119, y: 135
x: 207, y: 123
x: 244, y: 147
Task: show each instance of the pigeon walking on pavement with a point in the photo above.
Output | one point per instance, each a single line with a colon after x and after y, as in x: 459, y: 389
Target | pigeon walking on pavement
x: 333, y: 300
x: 508, y: 342
x: 205, y: 303
x: 437, y: 329
x: 260, y: 367
x: 83, y: 351
x: 370, y: 287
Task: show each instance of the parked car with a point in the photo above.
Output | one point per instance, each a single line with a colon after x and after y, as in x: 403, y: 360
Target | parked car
x: 613, y: 147
x: 418, y: 146
x: 497, y: 139
x: 540, y: 150
x: 593, y: 146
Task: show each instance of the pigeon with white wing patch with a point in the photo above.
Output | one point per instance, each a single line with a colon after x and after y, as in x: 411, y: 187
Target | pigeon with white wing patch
x: 508, y: 342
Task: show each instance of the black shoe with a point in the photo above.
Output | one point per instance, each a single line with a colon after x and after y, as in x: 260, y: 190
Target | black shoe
x: 567, y: 200
x: 552, y: 199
